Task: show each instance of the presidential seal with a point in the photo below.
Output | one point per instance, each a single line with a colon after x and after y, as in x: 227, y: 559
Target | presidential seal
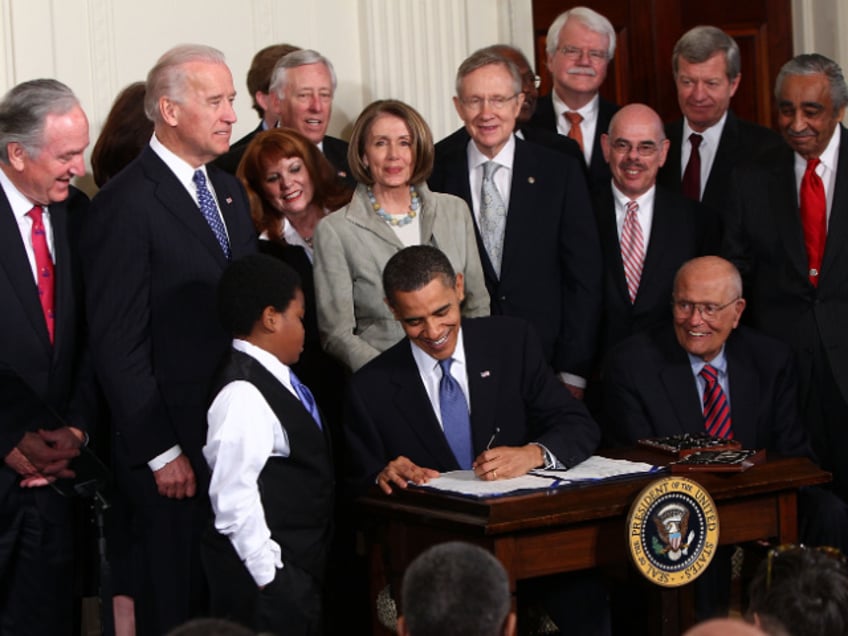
x: 672, y: 531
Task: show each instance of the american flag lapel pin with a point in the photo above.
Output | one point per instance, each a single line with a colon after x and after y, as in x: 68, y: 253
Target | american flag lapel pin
x: 229, y: 200
x: 485, y: 374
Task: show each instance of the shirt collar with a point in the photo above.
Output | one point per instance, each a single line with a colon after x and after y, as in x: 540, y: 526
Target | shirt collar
x: 711, y: 135
x: 179, y: 166
x: 17, y: 201
x: 828, y: 157
x: 646, y: 201
x: 504, y: 158
x: 427, y: 364
x: 719, y: 363
x: 589, y: 111
x: 267, y: 359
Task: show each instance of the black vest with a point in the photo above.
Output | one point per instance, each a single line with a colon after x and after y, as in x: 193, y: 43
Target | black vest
x: 296, y: 491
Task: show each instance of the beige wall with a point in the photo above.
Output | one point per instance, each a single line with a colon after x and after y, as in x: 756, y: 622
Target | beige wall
x: 406, y: 49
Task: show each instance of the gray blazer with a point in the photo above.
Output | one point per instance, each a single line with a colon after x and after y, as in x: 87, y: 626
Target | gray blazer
x: 352, y: 245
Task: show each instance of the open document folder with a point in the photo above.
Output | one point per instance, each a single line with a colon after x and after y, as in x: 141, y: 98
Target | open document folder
x: 596, y: 468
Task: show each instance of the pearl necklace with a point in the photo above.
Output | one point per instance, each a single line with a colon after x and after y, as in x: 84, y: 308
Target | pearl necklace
x: 393, y: 220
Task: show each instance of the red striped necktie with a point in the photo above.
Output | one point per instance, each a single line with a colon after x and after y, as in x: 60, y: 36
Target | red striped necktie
x: 716, y: 408
x: 44, y: 266
x: 632, y: 249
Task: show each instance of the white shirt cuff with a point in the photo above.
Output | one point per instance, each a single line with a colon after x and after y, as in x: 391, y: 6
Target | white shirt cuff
x: 167, y: 457
x: 571, y: 379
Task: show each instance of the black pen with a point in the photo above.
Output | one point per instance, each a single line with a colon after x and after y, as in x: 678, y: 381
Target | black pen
x: 492, y: 438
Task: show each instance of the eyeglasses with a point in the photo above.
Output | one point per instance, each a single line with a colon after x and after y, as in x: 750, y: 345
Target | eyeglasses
x: 496, y: 102
x: 684, y: 308
x: 834, y: 553
x: 596, y: 56
x: 644, y: 148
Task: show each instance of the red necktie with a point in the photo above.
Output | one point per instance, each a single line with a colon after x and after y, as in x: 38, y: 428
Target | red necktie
x: 813, y: 218
x: 44, y: 267
x: 632, y: 249
x: 716, y: 408
x: 692, y: 176
x: 575, y: 132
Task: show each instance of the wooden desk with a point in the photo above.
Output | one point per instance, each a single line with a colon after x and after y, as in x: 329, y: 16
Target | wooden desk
x: 576, y: 528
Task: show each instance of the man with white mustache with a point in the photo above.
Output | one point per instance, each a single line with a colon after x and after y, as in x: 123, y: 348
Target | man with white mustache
x: 580, y: 45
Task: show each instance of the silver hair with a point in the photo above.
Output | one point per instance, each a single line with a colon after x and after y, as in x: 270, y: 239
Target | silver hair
x: 293, y: 60
x: 168, y: 78
x: 486, y: 57
x: 24, y: 111
x: 589, y: 18
x: 701, y: 43
x: 814, y: 64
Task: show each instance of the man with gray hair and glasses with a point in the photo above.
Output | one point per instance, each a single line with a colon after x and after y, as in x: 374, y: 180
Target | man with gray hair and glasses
x: 710, y: 141
x: 303, y: 84
x: 156, y: 241
x: 580, y: 46
x: 45, y: 385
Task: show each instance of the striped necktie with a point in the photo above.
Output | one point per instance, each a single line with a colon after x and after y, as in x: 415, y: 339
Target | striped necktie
x: 716, y: 408
x: 632, y: 249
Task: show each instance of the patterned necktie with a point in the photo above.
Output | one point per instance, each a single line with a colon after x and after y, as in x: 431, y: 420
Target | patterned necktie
x: 210, y: 212
x: 492, y: 217
x: 716, y: 408
x: 306, y: 398
x: 575, y: 132
x: 455, y: 420
x: 632, y: 249
x: 44, y: 266
x: 692, y: 176
x: 813, y: 218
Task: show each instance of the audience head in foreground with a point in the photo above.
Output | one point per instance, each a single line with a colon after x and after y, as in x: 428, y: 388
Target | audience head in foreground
x: 802, y: 591
x: 724, y: 627
x: 456, y: 589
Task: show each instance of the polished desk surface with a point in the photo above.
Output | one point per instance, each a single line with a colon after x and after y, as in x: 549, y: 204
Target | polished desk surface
x: 580, y: 527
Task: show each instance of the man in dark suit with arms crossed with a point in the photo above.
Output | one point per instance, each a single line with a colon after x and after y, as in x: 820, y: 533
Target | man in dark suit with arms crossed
x: 43, y: 133
x: 157, y: 239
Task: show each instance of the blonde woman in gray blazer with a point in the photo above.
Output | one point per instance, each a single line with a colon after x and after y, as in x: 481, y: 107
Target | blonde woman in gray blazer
x: 391, y: 156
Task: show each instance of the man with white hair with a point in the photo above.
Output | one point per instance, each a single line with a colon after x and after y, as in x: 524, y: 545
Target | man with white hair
x: 303, y: 84
x: 157, y: 239
x: 580, y: 45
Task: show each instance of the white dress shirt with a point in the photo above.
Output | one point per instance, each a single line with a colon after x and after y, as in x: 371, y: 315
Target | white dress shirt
x: 587, y: 127
x: 645, y: 212
x: 707, y: 149
x: 826, y: 169
x: 243, y: 433
x: 719, y: 363
x: 20, y: 208
x: 502, y: 177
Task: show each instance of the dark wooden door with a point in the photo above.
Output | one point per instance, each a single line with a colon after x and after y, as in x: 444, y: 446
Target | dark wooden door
x: 647, y: 31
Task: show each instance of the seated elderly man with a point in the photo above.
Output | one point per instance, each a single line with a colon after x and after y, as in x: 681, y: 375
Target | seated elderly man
x: 706, y: 373
x: 467, y: 393
x: 456, y: 589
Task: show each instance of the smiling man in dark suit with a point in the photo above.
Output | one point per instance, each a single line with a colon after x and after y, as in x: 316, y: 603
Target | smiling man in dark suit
x: 638, y: 274
x: 43, y: 134
x: 472, y: 393
x: 580, y: 45
x: 710, y: 140
x: 156, y: 241
x: 787, y: 233
x: 538, y: 242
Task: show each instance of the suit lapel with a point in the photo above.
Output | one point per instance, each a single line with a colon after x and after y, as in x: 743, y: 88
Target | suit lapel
x: 411, y: 401
x: 483, y: 381
x: 671, y: 169
x: 14, y: 261
x: 522, y: 202
x: 360, y: 214
x: 231, y: 210
x: 783, y: 201
x: 64, y: 295
x: 176, y: 199
x: 679, y: 383
x: 608, y: 233
x: 665, y: 230
x: 744, y: 386
x: 837, y: 230
x: 725, y: 158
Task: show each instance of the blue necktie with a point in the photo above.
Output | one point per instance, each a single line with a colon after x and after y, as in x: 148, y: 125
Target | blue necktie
x: 306, y: 398
x: 210, y: 212
x: 455, y: 419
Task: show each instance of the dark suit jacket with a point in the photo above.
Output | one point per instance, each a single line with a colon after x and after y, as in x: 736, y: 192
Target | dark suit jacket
x: 681, y: 229
x: 740, y: 142
x: 551, y: 268
x: 152, y: 266
x: 336, y: 152
x: 765, y: 240
x: 58, y: 375
x: 544, y: 117
x: 650, y: 391
x: 510, y: 386
x: 229, y: 161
